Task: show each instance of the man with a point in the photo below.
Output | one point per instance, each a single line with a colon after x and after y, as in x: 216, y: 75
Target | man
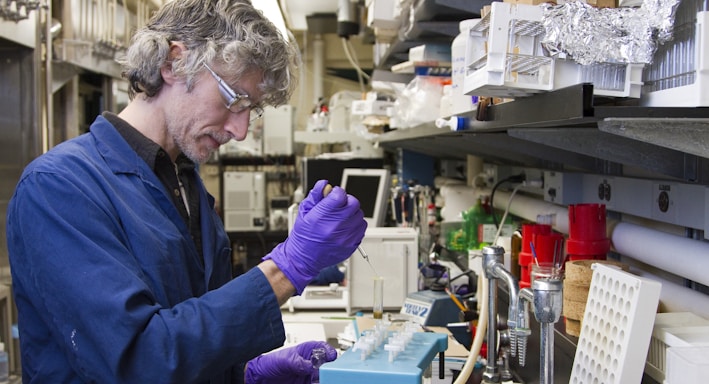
x: 120, y: 265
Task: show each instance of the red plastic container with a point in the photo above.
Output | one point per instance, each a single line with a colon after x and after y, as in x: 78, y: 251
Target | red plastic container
x: 587, y: 232
x: 529, y: 232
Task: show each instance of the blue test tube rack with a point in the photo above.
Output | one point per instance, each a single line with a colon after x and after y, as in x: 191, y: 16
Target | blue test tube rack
x: 378, y: 367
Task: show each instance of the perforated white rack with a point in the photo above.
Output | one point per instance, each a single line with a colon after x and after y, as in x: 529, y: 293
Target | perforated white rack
x: 504, y: 55
x: 616, y: 330
x: 505, y: 58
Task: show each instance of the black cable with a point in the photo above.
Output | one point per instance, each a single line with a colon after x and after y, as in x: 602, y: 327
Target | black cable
x: 512, y: 179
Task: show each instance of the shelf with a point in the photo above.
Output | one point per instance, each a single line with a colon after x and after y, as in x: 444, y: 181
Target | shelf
x: 325, y: 137
x: 256, y: 160
x: 570, y: 129
x: 448, y: 9
x: 690, y: 135
x: 434, y: 21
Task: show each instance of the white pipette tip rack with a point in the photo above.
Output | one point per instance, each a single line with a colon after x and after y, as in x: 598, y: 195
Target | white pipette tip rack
x: 617, y: 326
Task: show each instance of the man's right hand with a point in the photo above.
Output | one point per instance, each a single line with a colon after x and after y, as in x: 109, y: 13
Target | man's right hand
x: 327, y: 231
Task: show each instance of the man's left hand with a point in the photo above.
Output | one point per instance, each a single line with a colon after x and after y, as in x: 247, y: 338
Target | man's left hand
x: 290, y: 365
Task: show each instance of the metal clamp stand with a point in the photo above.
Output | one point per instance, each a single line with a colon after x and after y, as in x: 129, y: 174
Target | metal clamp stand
x: 494, y: 271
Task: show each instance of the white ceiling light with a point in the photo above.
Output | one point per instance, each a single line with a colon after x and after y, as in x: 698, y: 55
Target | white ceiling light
x: 296, y: 11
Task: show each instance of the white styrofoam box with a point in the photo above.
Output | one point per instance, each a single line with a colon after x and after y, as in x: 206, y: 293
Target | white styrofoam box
x: 696, y: 336
x: 615, y: 334
x: 696, y: 93
x: 663, y: 338
x: 430, y: 52
x: 504, y: 56
x: 678, y: 319
x: 687, y: 365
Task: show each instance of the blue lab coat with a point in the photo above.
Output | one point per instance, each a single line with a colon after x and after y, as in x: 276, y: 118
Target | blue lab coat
x: 109, y: 285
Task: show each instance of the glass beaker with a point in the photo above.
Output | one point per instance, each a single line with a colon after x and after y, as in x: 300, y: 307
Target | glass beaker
x: 545, y: 271
x: 378, y: 303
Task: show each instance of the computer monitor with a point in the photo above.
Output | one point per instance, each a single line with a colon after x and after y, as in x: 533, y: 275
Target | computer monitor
x: 314, y: 169
x: 372, y: 188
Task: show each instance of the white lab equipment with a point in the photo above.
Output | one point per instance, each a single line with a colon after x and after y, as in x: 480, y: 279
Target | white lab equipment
x: 393, y: 252
x: 278, y: 126
x: 245, y: 201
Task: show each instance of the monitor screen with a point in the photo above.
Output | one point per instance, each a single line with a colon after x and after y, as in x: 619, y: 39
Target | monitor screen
x: 331, y: 170
x: 371, y: 187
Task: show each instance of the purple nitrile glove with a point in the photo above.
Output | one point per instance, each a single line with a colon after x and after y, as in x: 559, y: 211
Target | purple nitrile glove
x: 326, y: 232
x: 292, y: 365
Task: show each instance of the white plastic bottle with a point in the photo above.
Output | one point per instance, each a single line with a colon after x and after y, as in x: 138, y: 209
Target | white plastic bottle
x: 460, y: 102
x: 4, y: 365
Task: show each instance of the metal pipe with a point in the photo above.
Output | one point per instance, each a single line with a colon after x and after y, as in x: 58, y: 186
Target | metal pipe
x: 39, y: 84
x: 318, y: 67
x: 491, y: 375
x: 49, y: 108
x: 511, y: 281
x: 548, y: 303
x: 546, y: 356
x: 494, y: 270
x: 113, y: 22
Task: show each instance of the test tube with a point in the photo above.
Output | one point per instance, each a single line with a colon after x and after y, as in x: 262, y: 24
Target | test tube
x: 318, y: 357
x: 378, y: 303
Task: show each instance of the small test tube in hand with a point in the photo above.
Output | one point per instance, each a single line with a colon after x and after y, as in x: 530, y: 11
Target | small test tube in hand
x: 326, y: 191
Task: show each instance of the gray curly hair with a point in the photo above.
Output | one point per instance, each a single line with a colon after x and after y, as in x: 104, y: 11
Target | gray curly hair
x: 231, y: 33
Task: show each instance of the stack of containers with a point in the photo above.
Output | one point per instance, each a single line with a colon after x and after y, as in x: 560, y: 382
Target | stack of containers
x: 577, y: 283
x: 547, y: 245
x: 587, y: 244
x: 587, y: 232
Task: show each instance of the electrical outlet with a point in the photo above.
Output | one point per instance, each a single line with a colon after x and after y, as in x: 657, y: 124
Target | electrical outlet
x: 677, y: 203
x: 490, y: 174
x: 563, y: 188
x: 664, y: 195
x: 604, y: 191
x: 598, y: 189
